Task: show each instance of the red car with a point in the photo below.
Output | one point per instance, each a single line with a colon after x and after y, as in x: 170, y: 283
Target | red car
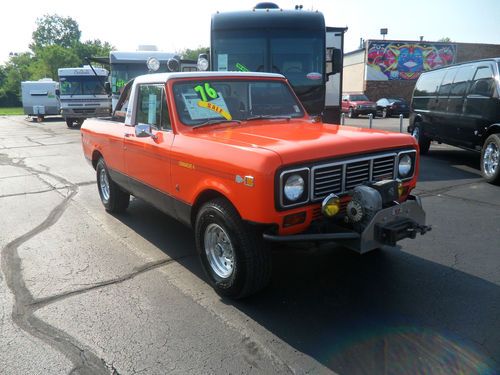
x: 358, y: 104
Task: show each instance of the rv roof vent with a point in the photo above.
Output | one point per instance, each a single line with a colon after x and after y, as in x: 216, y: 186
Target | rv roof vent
x: 266, y: 6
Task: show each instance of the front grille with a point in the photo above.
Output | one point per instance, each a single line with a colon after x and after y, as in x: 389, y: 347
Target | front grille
x: 340, y: 177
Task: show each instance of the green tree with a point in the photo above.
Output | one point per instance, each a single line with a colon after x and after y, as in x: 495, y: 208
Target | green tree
x: 92, y: 48
x: 15, y: 71
x: 445, y: 40
x: 192, y: 54
x: 55, y: 30
x: 50, y: 59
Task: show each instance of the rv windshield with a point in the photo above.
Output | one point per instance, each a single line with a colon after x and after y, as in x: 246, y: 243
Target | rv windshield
x: 122, y: 73
x: 295, y: 54
x: 203, y: 102
x: 82, y: 85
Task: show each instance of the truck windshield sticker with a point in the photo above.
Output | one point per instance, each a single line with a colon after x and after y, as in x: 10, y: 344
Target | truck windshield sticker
x: 206, y: 90
x: 222, y: 63
x: 199, y: 109
x: 242, y: 68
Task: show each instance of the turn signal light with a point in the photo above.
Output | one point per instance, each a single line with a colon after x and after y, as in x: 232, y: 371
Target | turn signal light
x: 294, y: 219
x: 331, y: 205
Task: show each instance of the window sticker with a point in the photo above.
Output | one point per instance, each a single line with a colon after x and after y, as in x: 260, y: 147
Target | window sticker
x: 222, y: 63
x: 152, y: 109
x: 199, y: 109
x: 241, y: 68
x: 206, y: 91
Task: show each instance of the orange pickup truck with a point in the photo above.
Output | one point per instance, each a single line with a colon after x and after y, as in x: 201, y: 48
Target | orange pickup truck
x: 235, y: 156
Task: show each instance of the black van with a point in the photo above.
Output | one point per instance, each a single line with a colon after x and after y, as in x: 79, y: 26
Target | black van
x: 460, y: 105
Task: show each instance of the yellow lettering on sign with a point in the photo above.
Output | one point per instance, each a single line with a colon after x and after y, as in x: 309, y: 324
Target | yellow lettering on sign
x: 215, y: 108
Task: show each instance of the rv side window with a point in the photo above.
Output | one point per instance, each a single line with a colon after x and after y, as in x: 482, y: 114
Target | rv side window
x: 428, y: 83
x: 444, y: 89
x: 462, y: 78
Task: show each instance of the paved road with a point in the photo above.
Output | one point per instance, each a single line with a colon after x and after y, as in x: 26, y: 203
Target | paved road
x: 85, y: 292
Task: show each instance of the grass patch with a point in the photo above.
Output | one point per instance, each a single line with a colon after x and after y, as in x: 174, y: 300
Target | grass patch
x: 9, y: 111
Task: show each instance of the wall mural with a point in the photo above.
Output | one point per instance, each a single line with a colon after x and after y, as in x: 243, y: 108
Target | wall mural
x: 406, y: 60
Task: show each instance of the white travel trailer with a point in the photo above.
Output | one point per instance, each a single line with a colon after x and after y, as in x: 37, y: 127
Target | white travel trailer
x: 83, y: 94
x: 39, y: 98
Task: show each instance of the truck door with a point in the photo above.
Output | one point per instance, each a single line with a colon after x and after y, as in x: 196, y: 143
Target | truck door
x: 148, y: 145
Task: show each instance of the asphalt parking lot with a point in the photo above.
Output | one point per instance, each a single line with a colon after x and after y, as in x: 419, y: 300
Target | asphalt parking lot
x: 85, y: 292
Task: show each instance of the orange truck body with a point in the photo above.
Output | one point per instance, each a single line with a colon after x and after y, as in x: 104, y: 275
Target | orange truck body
x: 177, y: 170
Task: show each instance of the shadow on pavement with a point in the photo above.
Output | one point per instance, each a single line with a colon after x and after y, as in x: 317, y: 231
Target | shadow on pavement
x: 449, y: 164
x: 386, y: 312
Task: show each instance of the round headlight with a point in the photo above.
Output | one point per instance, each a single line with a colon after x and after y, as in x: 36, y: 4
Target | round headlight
x: 153, y: 64
x: 202, y: 64
x: 404, y: 166
x: 294, y: 187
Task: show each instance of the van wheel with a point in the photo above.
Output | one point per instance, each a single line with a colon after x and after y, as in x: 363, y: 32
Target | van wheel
x: 490, y: 159
x: 113, y: 198
x: 423, y: 142
x: 232, y: 252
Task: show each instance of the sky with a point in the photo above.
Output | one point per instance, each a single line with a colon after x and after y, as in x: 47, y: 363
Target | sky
x: 175, y: 25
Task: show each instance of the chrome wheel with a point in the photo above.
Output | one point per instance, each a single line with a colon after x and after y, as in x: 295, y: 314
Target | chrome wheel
x: 104, y: 184
x: 219, y: 250
x: 491, y: 157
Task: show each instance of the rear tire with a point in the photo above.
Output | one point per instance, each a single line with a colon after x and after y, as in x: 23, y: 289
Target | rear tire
x: 69, y: 122
x: 424, y: 142
x: 232, y: 252
x: 113, y: 198
x: 490, y: 159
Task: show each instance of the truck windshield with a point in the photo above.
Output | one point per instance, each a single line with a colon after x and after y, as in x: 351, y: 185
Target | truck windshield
x: 201, y: 101
x: 82, y: 85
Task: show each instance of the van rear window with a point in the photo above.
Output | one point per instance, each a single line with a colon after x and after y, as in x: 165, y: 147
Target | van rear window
x: 428, y: 83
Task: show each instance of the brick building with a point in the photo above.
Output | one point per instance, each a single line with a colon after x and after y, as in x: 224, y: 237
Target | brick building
x: 390, y: 68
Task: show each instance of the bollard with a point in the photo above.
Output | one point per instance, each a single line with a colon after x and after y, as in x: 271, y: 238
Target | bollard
x: 400, y: 122
x: 370, y: 118
x: 342, y: 118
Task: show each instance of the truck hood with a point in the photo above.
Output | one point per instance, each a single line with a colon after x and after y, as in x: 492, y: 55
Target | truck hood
x: 302, y: 141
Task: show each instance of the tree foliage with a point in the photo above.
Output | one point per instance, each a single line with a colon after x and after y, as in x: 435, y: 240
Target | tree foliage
x: 55, y: 30
x: 56, y: 44
x: 192, y: 54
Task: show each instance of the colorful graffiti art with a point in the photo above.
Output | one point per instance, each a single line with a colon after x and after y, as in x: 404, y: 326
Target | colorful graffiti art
x: 406, y: 60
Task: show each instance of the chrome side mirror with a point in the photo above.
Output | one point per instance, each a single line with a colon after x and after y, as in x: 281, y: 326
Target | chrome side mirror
x: 144, y: 130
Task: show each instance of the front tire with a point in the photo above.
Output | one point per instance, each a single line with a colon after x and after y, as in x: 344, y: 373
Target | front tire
x: 490, y: 159
x: 424, y: 142
x: 232, y: 252
x: 113, y: 198
x: 384, y: 113
x: 351, y: 113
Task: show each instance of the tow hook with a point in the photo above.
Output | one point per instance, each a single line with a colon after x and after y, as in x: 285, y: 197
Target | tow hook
x: 422, y: 229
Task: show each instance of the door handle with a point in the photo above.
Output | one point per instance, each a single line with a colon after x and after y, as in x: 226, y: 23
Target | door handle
x: 128, y: 135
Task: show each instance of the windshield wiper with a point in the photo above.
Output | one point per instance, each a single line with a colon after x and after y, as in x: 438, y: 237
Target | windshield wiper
x: 214, y: 121
x: 259, y: 117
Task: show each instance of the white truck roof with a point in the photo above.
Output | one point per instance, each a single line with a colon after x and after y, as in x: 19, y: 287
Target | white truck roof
x: 165, y: 77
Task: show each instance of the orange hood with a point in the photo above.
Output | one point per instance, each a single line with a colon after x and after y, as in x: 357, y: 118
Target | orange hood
x: 302, y: 141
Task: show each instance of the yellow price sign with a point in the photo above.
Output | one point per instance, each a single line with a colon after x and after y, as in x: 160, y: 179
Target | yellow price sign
x: 215, y: 108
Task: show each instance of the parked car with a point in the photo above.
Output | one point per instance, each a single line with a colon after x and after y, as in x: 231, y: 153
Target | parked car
x: 387, y: 107
x: 236, y: 157
x: 460, y: 105
x: 358, y: 104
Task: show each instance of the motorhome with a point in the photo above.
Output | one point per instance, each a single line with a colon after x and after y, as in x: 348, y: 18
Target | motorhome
x: 83, y: 94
